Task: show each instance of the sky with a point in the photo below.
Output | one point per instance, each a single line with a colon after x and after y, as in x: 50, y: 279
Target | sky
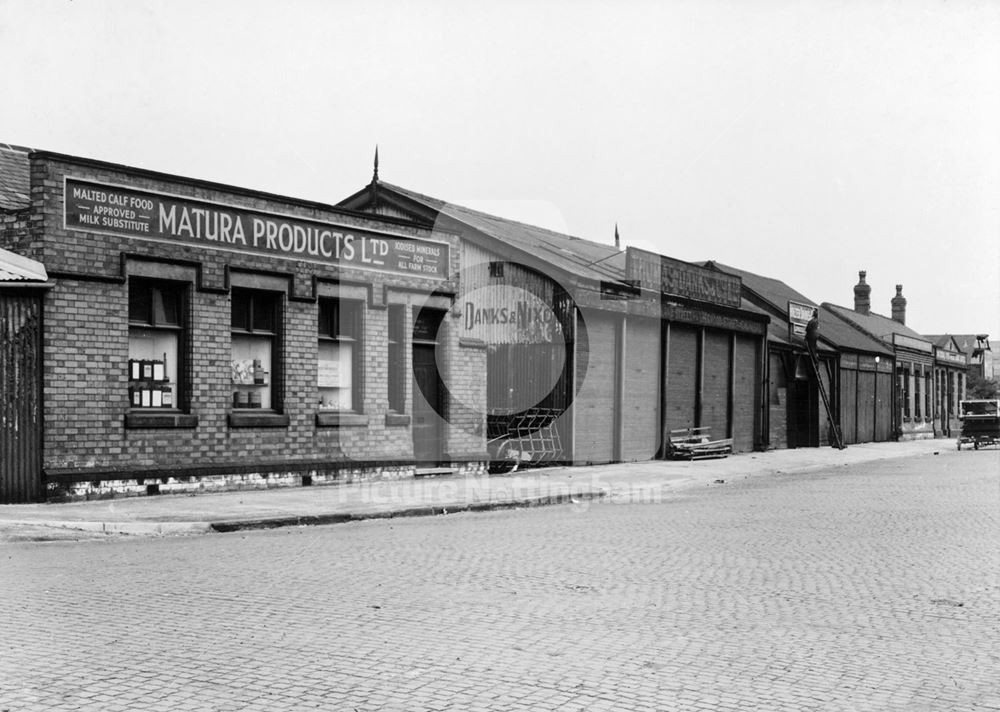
x: 801, y: 141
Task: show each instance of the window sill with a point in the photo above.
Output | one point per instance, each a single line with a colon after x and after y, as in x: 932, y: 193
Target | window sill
x: 144, y: 419
x: 397, y: 419
x: 246, y: 419
x: 334, y: 419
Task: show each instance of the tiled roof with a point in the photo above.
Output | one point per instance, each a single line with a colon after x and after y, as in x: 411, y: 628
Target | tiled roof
x: 879, y: 326
x: 777, y: 294
x: 15, y: 184
x: 846, y: 336
x: 14, y: 268
x: 942, y: 340
x: 966, y: 342
x: 573, y: 255
x: 946, y: 341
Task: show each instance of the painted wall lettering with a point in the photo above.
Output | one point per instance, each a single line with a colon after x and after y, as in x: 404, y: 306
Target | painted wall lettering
x: 658, y: 272
x: 97, y: 207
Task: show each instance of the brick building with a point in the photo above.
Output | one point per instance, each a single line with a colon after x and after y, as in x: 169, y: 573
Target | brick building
x: 951, y: 367
x: 856, y: 371
x: 201, y: 336
x: 915, y: 405
x: 980, y: 352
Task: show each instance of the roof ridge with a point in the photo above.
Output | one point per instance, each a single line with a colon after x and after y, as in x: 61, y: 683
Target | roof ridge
x: 499, y: 217
x: 15, y: 148
x: 849, y: 315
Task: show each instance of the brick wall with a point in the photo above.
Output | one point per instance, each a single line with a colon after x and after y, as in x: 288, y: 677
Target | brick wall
x: 15, y: 234
x: 465, y: 376
x: 777, y: 404
x: 86, y: 346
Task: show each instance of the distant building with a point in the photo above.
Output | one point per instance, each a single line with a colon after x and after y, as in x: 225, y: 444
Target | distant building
x: 856, y: 369
x: 983, y: 354
x: 914, y: 359
x: 951, y: 365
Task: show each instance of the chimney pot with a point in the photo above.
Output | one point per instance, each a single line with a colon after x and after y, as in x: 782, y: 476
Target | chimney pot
x: 899, y: 305
x: 862, y: 295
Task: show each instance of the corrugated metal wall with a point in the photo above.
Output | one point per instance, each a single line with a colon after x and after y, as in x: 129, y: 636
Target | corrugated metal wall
x: 527, y: 323
x: 20, y: 397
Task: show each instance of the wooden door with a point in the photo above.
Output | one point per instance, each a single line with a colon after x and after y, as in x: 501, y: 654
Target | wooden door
x: 427, y: 421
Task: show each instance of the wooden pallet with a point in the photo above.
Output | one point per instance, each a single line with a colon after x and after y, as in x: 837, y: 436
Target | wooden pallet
x: 697, y: 444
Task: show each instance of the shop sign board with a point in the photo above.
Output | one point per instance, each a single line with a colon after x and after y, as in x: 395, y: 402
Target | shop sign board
x: 682, y: 279
x: 706, y: 317
x: 950, y: 356
x: 798, y: 318
x: 161, y: 217
x: 911, y: 343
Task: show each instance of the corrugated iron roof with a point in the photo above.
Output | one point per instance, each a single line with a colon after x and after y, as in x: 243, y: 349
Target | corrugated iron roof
x: 15, y: 181
x: 774, y: 291
x: 15, y: 268
x: 573, y: 255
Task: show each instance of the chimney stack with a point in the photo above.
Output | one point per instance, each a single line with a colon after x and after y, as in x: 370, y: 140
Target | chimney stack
x: 862, y: 295
x: 899, y: 305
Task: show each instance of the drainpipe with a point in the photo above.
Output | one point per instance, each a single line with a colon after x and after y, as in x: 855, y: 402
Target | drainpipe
x: 764, y: 436
x: 731, y: 410
x: 664, y: 377
x: 700, y: 388
x: 619, y: 448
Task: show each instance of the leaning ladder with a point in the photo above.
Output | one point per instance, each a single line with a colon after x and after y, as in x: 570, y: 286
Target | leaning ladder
x: 838, y: 441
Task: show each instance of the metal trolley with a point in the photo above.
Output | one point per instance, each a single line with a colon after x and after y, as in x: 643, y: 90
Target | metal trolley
x: 528, y: 438
x: 980, y: 423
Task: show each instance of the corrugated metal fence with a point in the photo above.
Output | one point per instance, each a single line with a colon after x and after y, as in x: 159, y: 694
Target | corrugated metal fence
x: 20, y: 396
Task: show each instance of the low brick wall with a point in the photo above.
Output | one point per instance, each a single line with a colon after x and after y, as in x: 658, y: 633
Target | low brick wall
x: 153, y: 484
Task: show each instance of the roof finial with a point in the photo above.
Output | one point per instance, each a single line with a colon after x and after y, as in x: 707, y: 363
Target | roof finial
x: 375, y: 174
x: 618, y: 241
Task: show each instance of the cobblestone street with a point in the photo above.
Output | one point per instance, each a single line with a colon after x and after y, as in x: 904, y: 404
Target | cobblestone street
x: 861, y: 588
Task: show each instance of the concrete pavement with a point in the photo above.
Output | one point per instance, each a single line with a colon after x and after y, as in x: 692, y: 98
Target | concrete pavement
x: 620, y: 483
